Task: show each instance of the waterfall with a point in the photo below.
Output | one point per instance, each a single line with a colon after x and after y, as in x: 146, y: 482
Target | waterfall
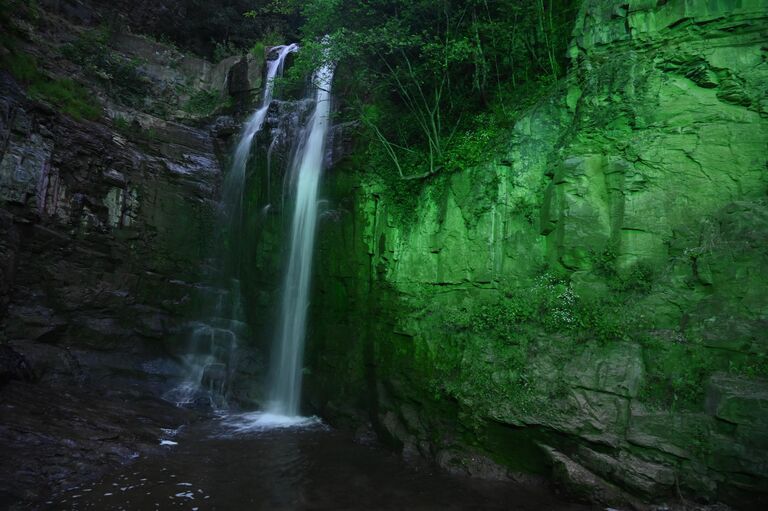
x: 232, y: 195
x: 288, y: 352
x: 211, y: 356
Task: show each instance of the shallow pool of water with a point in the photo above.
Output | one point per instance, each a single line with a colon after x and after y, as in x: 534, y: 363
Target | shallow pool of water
x: 264, y: 462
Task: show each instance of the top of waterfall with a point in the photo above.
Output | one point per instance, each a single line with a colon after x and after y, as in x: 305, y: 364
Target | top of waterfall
x: 279, y: 52
x: 233, y: 186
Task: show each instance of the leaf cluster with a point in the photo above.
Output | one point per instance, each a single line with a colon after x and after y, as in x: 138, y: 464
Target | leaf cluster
x: 419, y: 72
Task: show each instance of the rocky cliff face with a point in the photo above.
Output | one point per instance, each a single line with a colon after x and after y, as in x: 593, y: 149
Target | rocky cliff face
x: 108, y: 193
x: 108, y: 186
x: 105, y: 229
x: 590, y: 304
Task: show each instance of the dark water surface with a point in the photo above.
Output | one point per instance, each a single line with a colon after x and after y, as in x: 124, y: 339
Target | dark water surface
x: 236, y: 464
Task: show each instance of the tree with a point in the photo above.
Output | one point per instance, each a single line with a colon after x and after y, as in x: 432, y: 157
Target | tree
x: 420, y: 68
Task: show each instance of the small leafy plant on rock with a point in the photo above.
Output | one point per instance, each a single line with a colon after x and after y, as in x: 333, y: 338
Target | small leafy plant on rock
x: 64, y: 93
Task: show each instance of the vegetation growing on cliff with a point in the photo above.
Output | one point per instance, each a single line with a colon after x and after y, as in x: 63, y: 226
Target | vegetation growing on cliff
x: 66, y: 94
x: 431, y: 81
x: 117, y: 74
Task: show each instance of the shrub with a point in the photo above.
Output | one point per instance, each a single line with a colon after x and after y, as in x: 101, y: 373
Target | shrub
x: 551, y: 305
x: 258, y: 49
x: 69, y: 96
x: 204, y: 103
x: 119, y: 75
x: 224, y: 50
x: 23, y: 67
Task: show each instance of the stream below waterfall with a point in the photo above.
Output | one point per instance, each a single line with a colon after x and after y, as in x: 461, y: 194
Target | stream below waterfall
x: 248, y: 462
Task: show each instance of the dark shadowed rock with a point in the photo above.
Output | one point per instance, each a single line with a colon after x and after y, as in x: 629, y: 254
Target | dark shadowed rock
x: 13, y: 366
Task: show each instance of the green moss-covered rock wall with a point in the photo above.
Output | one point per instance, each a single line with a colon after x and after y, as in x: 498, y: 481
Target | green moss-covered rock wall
x: 590, y: 303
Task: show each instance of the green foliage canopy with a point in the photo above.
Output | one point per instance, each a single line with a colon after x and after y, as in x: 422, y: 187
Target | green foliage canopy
x: 417, y: 72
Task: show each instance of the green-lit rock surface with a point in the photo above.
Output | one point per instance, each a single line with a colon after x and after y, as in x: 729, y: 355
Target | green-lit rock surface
x: 590, y: 302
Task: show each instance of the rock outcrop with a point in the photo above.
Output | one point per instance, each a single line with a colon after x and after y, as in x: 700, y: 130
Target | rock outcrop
x: 105, y: 236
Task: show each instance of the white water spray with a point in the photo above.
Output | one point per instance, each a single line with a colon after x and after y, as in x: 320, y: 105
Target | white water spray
x: 307, y: 166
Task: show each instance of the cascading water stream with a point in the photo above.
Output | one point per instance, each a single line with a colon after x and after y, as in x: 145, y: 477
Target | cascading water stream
x: 288, y: 353
x: 212, y: 351
x: 232, y: 195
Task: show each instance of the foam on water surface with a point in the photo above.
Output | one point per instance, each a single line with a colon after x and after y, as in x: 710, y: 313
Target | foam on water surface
x: 264, y: 421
